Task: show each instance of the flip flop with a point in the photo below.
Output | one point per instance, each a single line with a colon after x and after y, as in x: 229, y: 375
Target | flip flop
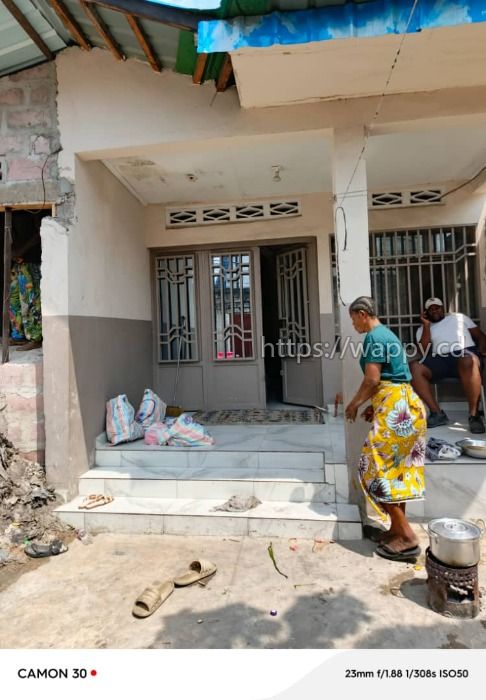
x: 37, y: 551
x: 152, y: 598
x: 92, y: 498
x: 93, y: 501
x: 199, y: 570
x: 405, y: 555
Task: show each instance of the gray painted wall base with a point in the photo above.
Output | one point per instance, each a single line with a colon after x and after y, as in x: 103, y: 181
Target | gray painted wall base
x: 90, y: 360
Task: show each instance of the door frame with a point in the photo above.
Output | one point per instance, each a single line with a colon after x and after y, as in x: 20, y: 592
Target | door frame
x: 253, y: 246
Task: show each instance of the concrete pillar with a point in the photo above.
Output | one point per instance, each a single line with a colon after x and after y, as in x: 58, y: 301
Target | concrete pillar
x: 481, y: 252
x: 55, y: 329
x: 352, y: 247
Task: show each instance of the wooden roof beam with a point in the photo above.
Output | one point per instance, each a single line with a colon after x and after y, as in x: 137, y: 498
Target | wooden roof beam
x: 180, y: 19
x: 198, y: 75
x: 70, y: 23
x: 102, y: 29
x: 28, y: 28
x: 144, y: 43
x: 224, y: 74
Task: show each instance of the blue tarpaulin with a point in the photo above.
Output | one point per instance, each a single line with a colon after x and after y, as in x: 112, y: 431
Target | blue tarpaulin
x: 336, y: 22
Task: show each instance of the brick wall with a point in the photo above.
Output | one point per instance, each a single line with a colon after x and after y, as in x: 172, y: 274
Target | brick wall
x: 22, y: 405
x: 28, y: 134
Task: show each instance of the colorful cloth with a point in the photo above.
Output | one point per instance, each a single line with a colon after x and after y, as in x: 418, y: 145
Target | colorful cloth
x: 25, y: 302
x: 391, y: 466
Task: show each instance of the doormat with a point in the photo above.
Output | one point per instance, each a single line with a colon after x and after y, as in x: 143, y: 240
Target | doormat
x: 263, y: 416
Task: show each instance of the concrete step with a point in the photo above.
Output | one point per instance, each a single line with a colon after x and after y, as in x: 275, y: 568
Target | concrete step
x: 184, y: 516
x: 161, y: 457
x: 265, y: 483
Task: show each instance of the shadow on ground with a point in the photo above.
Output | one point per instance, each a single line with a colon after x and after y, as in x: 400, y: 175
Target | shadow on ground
x: 309, y: 623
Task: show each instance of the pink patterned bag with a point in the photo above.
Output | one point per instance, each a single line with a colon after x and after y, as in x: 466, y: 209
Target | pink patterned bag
x: 120, y: 421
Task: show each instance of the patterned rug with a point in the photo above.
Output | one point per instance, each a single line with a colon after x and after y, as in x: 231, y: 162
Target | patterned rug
x: 263, y: 416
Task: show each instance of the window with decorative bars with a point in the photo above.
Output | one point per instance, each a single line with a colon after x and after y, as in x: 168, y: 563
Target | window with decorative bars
x: 408, y: 266
x: 231, y: 281
x: 177, y: 308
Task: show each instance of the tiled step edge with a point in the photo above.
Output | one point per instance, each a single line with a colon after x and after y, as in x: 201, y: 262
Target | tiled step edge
x: 115, y: 484
x: 195, y: 517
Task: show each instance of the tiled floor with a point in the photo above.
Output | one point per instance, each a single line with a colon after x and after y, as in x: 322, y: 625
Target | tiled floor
x: 262, y: 438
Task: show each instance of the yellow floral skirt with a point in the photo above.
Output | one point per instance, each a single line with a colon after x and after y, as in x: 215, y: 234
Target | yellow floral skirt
x: 391, y: 466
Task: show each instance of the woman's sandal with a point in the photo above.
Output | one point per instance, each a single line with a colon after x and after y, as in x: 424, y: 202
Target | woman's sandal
x: 200, y: 571
x: 404, y: 555
x: 95, y: 500
x: 152, y: 598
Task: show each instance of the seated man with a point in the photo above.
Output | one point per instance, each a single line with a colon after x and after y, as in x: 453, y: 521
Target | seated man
x: 451, y: 346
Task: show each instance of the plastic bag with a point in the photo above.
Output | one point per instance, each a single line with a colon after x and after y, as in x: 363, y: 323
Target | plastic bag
x: 152, y: 409
x: 158, y: 433
x: 120, y: 421
x: 180, y: 432
x: 186, y: 432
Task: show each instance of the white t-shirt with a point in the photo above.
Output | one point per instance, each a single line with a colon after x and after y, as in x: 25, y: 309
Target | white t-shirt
x: 451, y: 334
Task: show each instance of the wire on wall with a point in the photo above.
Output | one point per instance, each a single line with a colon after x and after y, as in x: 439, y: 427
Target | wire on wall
x: 382, y: 97
x: 49, y: 155
x: 339, y: 206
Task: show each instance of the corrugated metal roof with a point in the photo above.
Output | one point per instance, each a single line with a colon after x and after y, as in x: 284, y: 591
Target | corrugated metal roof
x: 17, y: 50
x: 164, y: 39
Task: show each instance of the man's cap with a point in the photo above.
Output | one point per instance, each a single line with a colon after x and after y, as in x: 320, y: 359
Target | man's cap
x: 433, y: 301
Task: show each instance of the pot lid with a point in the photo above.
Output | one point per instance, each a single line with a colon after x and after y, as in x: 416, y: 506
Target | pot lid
x: 455, y: 529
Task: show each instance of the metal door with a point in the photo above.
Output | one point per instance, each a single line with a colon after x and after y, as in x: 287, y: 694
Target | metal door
x: 299, y: 327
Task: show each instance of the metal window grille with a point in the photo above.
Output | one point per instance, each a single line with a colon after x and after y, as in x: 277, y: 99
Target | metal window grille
x: 409, y: 266
x: 176, y: 308
x: 231, y: 280
x: 293, y: 300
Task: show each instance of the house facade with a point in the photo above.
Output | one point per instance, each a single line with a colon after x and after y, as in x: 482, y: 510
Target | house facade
x: 204, y: 227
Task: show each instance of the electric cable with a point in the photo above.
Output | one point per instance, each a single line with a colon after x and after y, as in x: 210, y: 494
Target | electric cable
x: 380, y: 102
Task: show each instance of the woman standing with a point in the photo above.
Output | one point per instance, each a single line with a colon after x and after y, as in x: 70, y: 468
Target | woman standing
x: 391, y: 466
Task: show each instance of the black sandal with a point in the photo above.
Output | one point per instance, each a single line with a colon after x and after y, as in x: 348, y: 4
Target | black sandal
x: 37, y: 551
x: 404, y: 555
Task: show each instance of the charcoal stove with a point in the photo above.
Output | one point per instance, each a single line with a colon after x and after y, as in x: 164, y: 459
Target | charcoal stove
x: 452, y: 591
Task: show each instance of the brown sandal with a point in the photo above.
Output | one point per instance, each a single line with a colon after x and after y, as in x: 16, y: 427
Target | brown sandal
x: 152, y: 598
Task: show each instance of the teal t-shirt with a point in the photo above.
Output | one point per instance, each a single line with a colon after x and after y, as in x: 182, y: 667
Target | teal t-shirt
x: 382, y: 346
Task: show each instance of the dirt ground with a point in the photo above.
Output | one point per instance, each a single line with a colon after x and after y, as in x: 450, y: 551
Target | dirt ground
x: 340, y: 597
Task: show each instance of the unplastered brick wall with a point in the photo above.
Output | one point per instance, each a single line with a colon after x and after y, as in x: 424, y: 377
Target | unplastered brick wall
x: 28, y: 134
x: 22, y: 405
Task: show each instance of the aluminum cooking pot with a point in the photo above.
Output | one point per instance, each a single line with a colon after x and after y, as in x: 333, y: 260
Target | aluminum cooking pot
x: 473, y: 448
x: 455, y: 542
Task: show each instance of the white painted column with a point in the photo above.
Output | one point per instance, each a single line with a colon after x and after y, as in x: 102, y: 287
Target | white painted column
x: 352, y: 248
x: 56, y: 351
x: 481, y: 252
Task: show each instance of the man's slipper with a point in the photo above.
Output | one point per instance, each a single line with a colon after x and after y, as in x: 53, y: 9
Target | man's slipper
x: 405, y: 555
x: 199, y: 571
x: 36, y: 551
x: 152, y: 598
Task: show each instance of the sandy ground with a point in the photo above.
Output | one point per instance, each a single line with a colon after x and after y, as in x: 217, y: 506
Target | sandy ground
x: 339, y: 597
